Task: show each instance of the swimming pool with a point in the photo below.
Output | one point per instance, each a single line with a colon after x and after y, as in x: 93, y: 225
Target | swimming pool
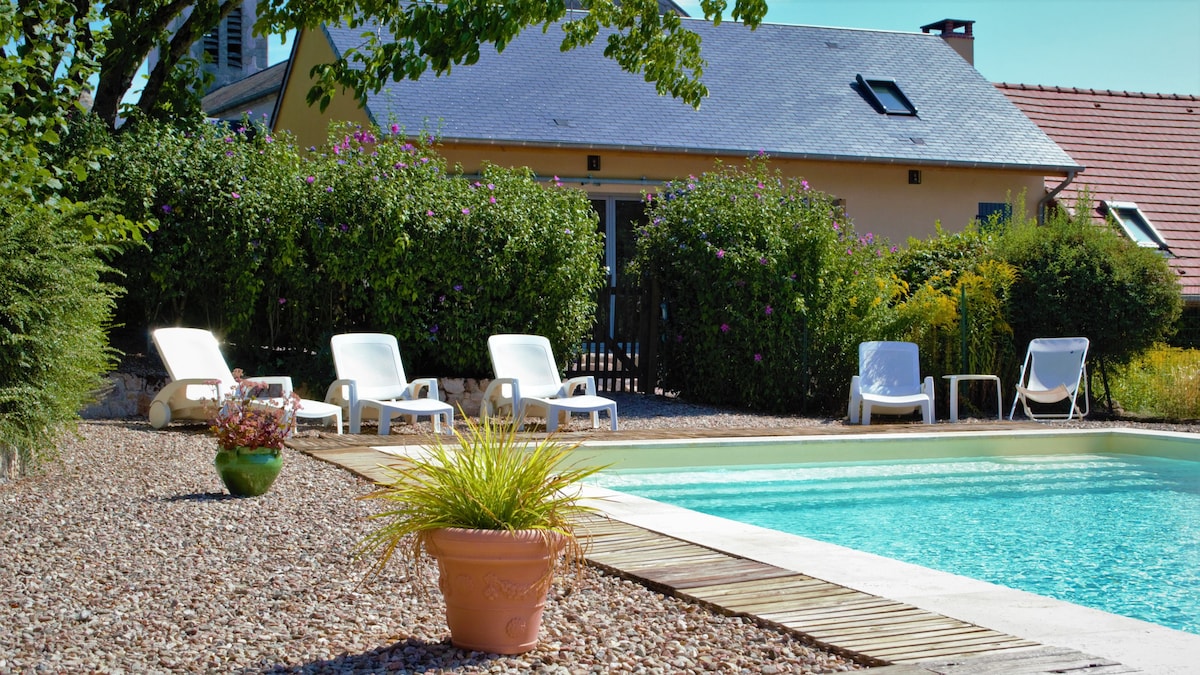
x: 1069, y: 516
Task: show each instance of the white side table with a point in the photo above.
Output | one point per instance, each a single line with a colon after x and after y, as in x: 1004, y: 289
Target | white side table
x: 955, y: 379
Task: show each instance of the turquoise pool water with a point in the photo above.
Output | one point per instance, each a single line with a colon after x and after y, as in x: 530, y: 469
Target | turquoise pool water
x: 1115, y: 532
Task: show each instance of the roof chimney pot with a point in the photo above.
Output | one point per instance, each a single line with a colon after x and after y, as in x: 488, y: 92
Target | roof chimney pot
x: 963, y: 41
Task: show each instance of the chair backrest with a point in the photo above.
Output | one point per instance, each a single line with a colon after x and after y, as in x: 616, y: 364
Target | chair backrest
x: 373, y: 361
x: 889, y: 368
x: 193, y: 353
x: 1050, y: 362
x: 527, y: 358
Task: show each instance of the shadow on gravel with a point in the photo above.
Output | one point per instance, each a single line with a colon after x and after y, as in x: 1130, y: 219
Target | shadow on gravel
x: 199, y: 497
x: 407, y: 656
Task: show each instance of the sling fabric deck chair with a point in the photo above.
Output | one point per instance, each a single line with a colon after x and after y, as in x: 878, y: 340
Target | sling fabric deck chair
x: 527, y: 376
x: 1052, y: 372
x: 200, y: 378
x: 889, y: 381
x: 371, y: 381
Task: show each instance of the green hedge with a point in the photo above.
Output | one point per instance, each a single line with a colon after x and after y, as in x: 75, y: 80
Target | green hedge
x: 54, y: 310
x: 768, y: 290
x: 277, y: 249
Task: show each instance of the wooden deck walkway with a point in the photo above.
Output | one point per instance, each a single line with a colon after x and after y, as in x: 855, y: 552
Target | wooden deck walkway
x: 898, y: 638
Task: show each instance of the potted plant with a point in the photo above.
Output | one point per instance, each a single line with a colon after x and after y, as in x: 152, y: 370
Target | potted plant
x: 498, y: 514
x: 250, y: 433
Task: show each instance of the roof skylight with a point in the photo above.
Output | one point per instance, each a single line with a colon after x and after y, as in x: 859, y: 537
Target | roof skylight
x: 886, y: 96
x: 1136, y: 224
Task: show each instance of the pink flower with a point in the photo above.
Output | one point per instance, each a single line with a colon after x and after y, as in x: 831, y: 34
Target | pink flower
x: 310, y: 180
x: 429, y: 212
x: 235, y: 195
x: 395, y: 128
x: 720, y: 254
x: 283, y: 301
x: 466, y: 212
x: 724, y: 328
x: 757, y: 358
x: 491, y: 200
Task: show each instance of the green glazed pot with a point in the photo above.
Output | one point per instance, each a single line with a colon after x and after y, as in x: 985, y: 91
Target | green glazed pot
x: 248, y: 472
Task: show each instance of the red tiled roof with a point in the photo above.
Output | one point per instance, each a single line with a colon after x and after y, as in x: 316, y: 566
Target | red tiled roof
x: 1142, y: 148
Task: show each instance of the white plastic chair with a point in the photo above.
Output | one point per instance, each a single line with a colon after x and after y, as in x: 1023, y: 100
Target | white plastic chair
x: 371, y: 381
x: 200, y: 378
x: 1052, y: 372
x: 527, y: 373
x: 889, y: 382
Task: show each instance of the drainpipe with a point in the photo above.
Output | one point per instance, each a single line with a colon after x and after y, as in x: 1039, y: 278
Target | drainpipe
x: 1041, y: 212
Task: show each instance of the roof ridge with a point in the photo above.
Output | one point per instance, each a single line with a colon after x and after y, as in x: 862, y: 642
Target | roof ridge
x: 1102, y: 92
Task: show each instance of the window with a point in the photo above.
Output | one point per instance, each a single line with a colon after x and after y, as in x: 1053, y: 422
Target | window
x: 1136, y: 224
x: 1000, y: 210
x: 886, y: 96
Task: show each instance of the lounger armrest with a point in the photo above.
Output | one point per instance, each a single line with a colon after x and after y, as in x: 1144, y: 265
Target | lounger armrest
x: 588, y: 383
x: 927, y: 386
x: 429, y: 383
x: 336, y: 396
x: 493, y: 396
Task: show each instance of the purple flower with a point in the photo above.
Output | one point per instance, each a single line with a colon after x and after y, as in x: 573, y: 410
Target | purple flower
x: 491, y: 200
x: 344, y: 227
x: 458, y: 287
x: 310, y: 180
x: 235, y: 195
x: 466, y: 212
x: 768, y: 310
x: 395, y: 128
x: 491, y: 186
x: 804, y: 184
x: 283, y: 301
x: 329, y: 188
x: 762, y: 260
x: 724, y: 328
x: 757, y: 358
x: 433, y: 329
x: 720, y: 254
x: 429, y: 212
x: 166, y: 208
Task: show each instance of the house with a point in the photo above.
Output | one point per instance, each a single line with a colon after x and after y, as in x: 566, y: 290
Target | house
x: 1142, y: 153
x: 898, y: 126
x: 253, y: 95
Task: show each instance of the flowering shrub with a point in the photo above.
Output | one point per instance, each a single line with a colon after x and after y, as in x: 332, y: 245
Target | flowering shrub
x: 247, y: 420
x: 767, y: 287
x: 280, y: 248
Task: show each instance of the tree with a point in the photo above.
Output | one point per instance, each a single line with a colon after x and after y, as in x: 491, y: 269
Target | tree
x: 62, y: 44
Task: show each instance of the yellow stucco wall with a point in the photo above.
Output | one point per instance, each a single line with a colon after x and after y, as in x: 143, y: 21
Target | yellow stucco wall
x: 879, y: 198
x: 309, y: 125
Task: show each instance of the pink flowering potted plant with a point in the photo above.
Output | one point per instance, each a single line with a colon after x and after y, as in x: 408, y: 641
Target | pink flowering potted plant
x: 251, y: 431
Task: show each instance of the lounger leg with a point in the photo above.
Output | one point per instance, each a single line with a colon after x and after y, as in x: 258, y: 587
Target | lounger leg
x: 385, y: 421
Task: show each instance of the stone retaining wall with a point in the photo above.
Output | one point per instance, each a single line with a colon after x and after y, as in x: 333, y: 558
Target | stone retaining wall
x: 128, y: 395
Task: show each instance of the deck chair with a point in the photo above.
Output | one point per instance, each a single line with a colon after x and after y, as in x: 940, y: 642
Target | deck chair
x: 200, y: 378
x: 1052, y: 372
x: 371, y: 383
x: 527, y: 376
x: 889, y: 382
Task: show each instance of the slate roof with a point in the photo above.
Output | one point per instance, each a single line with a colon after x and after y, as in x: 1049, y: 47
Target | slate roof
x: 787, y: 90
x: 264, y: 83
x: 1142, y: 148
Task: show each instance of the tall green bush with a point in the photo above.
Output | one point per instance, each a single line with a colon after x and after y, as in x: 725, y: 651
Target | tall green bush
x: 937, y: 277
x: 54, y: 310
x: 767, y: 287
x: 1079, y: 278
x: 277, y: 249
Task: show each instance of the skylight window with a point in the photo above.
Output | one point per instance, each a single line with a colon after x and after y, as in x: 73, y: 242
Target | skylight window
x: 1136, y: 224
x: 886, y: 96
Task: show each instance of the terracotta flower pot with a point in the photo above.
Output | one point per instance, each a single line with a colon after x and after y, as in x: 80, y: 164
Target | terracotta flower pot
x: 495, y: 584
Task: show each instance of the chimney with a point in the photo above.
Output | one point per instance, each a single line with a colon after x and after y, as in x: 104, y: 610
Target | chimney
x: 963, y: 40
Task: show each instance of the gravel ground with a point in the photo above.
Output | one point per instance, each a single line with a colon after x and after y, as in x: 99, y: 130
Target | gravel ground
x: 126, y: 556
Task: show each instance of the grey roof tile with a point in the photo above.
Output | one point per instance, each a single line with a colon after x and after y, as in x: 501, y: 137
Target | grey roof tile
x: 780, y: 89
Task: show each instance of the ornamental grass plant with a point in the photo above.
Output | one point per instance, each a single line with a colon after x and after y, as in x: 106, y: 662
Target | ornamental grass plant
x: 489, y: 479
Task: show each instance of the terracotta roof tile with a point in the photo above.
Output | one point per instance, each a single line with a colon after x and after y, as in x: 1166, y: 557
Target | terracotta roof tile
x: 1135, y: 147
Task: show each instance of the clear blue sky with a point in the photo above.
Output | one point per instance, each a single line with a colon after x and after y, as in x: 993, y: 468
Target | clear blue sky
x: 1126, y: 45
